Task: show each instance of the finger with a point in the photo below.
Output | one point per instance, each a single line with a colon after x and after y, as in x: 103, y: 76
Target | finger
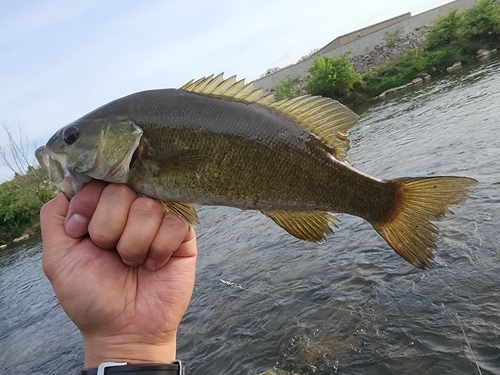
x: 110, y: 216
x: 55, y: 239
x: 172, y: 233
x: 188, y: 248
x: 82, y: 207
x: 144, y: 219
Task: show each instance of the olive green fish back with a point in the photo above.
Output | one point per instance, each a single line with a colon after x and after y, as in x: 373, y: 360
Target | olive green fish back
x: 326, y: 118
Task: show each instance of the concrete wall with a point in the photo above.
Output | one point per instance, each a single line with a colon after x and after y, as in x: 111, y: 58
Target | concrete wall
x: 351, y: 37
x: 359, y: 41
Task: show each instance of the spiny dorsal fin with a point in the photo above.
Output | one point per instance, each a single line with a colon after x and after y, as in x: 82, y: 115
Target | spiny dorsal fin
x: 312, y: 226
x: 230, y: 89
x: 324, y: 117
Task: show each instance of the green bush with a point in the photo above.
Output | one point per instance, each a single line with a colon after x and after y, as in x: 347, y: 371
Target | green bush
x: 474, y: 28
x: 16, y: 212
x: 332, y: 76
x: 482, y: 21
x: 286, y: 88
x: 20, y: 202
x: 445, y: 30
x: 392, y: 38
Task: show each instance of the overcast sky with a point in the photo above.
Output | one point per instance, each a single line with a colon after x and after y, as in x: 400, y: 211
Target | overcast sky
x: 62, y: 59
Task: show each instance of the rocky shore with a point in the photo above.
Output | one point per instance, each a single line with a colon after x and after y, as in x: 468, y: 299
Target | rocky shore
x: 382, y: 53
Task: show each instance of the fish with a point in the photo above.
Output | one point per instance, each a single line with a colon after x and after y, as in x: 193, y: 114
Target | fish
x: 224, y: 142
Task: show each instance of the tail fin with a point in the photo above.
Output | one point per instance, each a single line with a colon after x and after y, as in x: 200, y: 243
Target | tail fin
x: 408, y: 228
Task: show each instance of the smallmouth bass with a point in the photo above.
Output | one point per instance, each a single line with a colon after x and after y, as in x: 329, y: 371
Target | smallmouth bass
x: 223, y: 142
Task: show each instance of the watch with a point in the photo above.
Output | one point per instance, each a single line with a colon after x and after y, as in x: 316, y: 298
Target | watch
x: 119, y: 368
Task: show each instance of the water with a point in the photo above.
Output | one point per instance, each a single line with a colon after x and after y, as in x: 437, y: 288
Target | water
x: 349, y: 306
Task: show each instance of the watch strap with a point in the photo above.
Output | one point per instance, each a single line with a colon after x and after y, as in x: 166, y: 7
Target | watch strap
x: 112, y: 368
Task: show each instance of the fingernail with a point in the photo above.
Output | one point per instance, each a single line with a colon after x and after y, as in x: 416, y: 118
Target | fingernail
x: 76, y: 225
x: 150, y: 264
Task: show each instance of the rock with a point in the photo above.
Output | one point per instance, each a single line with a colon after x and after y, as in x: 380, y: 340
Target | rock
x: 483, y: 53
x: 455, y: 66
x: 3, y: 246
x: 393, y: 90
x: 417, y: 81
x: 381, y: 53
x: 424, y: 76
x: 23, y: 237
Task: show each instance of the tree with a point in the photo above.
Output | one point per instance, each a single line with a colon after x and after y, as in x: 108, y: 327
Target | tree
x: 16, y: 154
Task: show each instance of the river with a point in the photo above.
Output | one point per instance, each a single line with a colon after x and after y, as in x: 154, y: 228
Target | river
x: 348, y: 306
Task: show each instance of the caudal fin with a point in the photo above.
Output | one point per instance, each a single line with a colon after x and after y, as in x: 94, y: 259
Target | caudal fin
x: 408, y: 228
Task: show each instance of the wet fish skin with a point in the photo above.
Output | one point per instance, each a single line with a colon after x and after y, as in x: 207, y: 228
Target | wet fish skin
x: 240, y: 148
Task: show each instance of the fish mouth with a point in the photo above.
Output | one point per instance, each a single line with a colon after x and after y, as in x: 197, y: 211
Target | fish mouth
x: 54, y: 166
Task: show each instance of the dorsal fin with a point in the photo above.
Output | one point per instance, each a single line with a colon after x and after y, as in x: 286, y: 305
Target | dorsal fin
x: 324, y: 117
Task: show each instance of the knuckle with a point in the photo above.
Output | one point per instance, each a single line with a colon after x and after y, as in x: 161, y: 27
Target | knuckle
x: 117, y: 191
x: 130, y: 253
x: 146, y: 208
x: 174, y: 221
x: 159, y: 247
x: 103, y: 236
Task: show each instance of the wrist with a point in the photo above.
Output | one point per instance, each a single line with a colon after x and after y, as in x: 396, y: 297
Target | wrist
x: 109, y: 368
x: 128, y: 349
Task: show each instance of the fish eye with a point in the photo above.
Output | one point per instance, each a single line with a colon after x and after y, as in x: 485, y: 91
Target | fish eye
x: 71, y: 134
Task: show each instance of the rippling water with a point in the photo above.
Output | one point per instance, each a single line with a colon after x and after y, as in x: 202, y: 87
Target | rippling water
x: 348, y: 306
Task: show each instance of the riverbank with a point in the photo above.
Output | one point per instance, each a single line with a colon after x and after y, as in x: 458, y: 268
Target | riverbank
x: 483, y: 55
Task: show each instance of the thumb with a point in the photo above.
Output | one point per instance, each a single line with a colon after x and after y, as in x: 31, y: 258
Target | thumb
x: 56, y: 241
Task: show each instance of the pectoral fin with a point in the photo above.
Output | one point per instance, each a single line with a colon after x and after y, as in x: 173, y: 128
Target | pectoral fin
x: 184, y: 210
x: 312, y: 226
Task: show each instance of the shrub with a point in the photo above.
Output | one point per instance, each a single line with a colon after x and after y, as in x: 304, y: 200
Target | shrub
x: 332, y: 76
x: 445, y: 30
x: 482, y: 21
x: 392, y: 38
x: 16, y: 212
x: 287, y: 88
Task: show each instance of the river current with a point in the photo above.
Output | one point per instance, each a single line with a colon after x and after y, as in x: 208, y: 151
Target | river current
x: 348, y: 306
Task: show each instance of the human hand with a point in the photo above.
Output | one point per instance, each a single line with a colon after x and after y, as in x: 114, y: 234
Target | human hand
x: 125, y: 285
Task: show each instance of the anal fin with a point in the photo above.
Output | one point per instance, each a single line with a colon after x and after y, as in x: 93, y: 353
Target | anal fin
x: 312, y: 226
